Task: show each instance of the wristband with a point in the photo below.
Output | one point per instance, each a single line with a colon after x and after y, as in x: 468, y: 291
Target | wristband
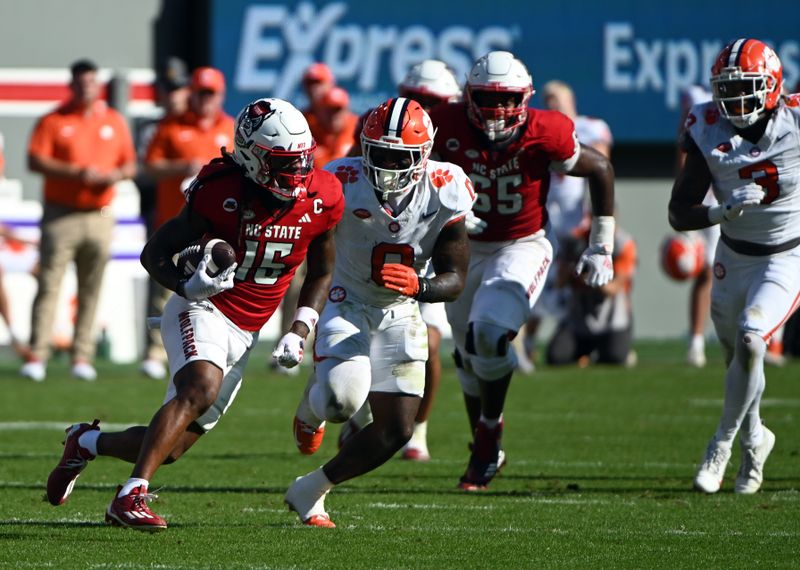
x: 180, y: 288
x: 716, y: 214
x: 424, y: 290
x: 602, y: 232
x: 307, y: 316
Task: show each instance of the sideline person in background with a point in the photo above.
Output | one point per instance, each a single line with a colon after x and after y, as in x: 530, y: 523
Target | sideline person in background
x: 180, y: 146
x: 82, y: 149
x: 598, y: 323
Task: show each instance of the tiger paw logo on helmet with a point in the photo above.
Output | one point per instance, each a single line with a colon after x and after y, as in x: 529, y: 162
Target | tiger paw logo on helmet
x: 440, y: 177
x: 346, y: 174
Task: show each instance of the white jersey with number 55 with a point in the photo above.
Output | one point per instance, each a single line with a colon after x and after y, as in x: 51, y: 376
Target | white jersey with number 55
x: 773, y: 163
x: 369, y: 236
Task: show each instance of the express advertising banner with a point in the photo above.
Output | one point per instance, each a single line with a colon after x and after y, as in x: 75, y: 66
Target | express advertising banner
x: 627, y: 61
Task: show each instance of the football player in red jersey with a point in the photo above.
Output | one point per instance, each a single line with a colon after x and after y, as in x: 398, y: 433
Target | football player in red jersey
x: 276, y: 210
x: 508, y: 151
x: 744, y: 144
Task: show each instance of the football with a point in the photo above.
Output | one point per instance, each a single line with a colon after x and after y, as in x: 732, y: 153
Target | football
x: 221, y: 252
x: 682, y: 257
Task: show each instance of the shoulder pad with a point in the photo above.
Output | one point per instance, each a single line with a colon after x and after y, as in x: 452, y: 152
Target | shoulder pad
x: 454, y: 187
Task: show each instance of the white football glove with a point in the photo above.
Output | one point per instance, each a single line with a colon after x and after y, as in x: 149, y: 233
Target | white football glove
x: 474, y: 224
x: 596, y: 260
x: 200, y: 286
x: 289, y: 351
x: 749, y: 195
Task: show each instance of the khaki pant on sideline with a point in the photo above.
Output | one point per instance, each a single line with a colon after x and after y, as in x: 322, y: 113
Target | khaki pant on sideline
x: 70, y: 235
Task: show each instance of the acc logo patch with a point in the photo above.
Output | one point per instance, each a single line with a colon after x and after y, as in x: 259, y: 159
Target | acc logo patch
x: 362, y: 213
x: 230, y: 205
x: 337, y: 294
x: 394, y: 227
x: 719, y: 270
x: 452, y: 144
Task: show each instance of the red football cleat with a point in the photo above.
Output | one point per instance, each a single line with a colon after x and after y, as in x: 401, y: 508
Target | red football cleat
x: 131, y: 511
x: 307, y: 438
x: 62, y: 479
x: 321, y: 521
x: 486, y: 459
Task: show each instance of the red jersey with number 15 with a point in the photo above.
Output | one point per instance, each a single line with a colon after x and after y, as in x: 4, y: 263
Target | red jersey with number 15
x: 511, y: 183
x: 270, y: 237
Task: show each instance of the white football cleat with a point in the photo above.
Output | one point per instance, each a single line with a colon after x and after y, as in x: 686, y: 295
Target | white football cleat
x: 712, y: 469
x: 751, y: 473
x: 307, y: 499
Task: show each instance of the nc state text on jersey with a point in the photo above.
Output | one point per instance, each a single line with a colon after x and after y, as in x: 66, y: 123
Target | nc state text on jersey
x: 273, y: 232
x: 510, y: 166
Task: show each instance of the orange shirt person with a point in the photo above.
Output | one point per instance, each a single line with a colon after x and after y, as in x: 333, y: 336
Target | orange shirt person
x: 82, y: 148
x: 333, y: 127
x: 182, y: 144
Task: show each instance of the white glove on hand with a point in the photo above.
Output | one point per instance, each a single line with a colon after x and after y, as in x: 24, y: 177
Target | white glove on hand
x: 750, y: 195
x: 597, y: 263
x: 200, y: 286
x: 289, y: 351
x: 596, y: 260
x: 474, y: 224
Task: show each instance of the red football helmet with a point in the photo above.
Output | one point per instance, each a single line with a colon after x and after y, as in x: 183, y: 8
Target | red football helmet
x: 746, y: 81
x: 396, y: 140
x: 682, y: 257
x: 497, y: 93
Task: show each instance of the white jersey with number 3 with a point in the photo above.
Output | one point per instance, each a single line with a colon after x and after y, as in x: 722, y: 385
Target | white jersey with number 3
x: 369, y: 236
x: 773, y: 163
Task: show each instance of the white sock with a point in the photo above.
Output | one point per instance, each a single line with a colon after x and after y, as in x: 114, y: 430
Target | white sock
x: 420, y: 432
x: 318, y: 480
x: 88, y: 441
x: 491, y: 424
x: 698, y: 342
x: 131, y: 485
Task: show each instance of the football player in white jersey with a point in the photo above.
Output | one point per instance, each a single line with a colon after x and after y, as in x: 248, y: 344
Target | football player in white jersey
x: 402, y: 210
x: 746, y: 142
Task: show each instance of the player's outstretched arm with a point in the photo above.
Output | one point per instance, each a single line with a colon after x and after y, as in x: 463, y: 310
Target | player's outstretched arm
x: 168, y: 240
x: 686, y: 209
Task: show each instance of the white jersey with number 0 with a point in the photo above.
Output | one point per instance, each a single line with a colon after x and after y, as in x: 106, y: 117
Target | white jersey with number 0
x: 369, y: 236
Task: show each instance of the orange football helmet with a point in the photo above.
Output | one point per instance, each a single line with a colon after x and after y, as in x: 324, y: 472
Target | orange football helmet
x: 396, y: 140
x: 746, y: 81
x: 682, y: 257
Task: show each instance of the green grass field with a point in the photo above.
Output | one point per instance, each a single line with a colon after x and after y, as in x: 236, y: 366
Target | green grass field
x: 599, y: 476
